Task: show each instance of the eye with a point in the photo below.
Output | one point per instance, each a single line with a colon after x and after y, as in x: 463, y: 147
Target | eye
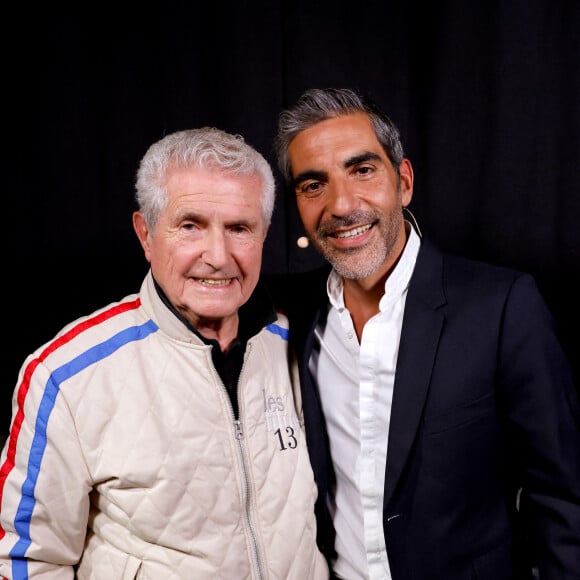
x: 309, y: 188
x: 364, y: 170
x: 240, y: 230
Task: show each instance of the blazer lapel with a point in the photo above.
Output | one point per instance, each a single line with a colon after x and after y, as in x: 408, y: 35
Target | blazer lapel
x: 422, y: 325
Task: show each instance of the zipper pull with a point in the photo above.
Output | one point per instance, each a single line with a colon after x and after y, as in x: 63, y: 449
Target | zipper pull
x: 238, y: 427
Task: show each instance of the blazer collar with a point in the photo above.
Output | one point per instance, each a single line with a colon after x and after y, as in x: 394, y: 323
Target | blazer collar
x: 422, y: 325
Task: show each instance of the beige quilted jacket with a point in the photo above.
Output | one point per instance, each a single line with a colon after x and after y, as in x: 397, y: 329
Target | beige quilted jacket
x: 125, y: 462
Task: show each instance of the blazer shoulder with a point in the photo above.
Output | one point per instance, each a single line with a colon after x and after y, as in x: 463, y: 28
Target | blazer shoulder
x: 455, y: 266
x: 440, y: 277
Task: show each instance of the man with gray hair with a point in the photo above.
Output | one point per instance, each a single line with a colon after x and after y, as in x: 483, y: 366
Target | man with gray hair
x: 441, y: 412
x: 162, y: 436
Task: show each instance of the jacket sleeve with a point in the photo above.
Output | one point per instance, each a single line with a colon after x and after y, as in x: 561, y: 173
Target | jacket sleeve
x: 541, y: 402
x: 44, y: 482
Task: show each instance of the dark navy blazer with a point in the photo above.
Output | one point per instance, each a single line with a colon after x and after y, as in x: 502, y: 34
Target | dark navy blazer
x: 483, y: 464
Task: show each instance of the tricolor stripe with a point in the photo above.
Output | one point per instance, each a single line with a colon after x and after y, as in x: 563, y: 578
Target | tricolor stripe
x: 94, y: 354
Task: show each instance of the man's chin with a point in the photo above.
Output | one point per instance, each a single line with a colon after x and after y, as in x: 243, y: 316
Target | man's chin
x: 353, y: 263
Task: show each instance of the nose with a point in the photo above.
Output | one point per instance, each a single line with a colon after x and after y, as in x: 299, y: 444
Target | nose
x: 216, y: 249
x: 341, y: 198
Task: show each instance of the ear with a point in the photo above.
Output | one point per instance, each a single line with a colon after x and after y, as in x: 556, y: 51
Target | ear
x: 142, y: 231
x: 406, y: 175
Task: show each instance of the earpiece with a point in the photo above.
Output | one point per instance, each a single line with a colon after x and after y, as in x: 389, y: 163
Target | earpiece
x: 413, y: 220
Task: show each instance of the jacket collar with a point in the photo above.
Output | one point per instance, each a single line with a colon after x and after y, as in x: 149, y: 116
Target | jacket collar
x: 254, y: 315
x: 422, y: 325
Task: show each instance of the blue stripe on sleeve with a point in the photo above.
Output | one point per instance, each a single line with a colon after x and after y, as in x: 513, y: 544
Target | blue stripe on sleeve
x: 99, y: 352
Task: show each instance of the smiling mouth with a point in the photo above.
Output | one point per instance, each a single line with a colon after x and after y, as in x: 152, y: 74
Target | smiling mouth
x: 212, y: 282
x: 352, y: 233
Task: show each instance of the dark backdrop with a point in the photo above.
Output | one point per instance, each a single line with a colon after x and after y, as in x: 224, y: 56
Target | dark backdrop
x: 486, y: 93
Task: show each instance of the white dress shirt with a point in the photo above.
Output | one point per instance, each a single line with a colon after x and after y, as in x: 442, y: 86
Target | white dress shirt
x: 356, y: 388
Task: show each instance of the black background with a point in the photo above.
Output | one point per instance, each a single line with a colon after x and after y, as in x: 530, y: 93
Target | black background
x: 486, y: 94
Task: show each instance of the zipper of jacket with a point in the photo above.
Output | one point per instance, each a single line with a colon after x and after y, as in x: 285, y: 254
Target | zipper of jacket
x: 239, y: 435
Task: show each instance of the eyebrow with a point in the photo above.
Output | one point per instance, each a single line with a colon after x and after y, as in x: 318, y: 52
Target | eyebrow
x: 309, y: 174
x: 319, y: 175
x: 361, y: 158
x: 200, y: 218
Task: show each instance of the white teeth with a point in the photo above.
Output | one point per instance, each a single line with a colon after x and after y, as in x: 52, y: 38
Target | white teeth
x: 352, y: 233
x: 210, y: 282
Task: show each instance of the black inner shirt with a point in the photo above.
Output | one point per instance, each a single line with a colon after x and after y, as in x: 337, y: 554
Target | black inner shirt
x: 256, y: 313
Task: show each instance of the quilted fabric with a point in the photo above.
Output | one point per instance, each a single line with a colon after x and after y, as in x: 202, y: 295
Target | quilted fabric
x: 126, y: 462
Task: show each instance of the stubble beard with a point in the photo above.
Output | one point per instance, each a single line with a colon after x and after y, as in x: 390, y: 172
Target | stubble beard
x: 361, y: 262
